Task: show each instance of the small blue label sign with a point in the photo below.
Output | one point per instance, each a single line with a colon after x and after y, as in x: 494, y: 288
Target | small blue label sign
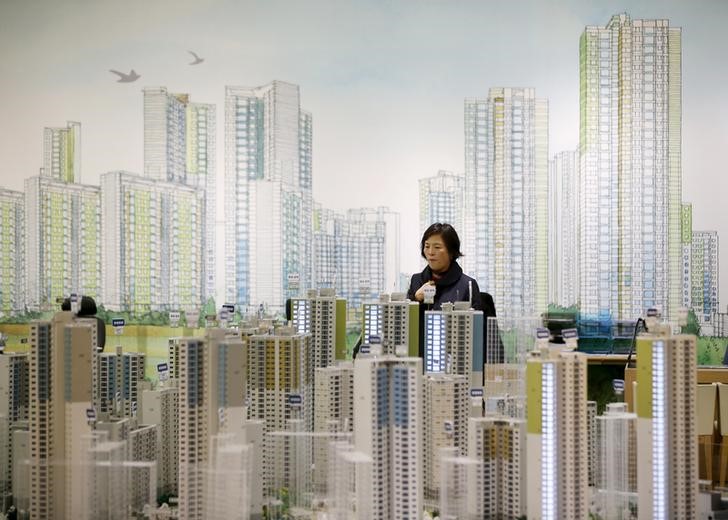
x: 90, y: 414
x: 542, y: 333
x: 365, y: 349
x: 618, y: 386
x: 295, y: 400
x: 229, y: 307
x: 162, y: 367
x: 117, y: 322
x: 375, y: 340
x: 652, y: 312
x: 476, y: 392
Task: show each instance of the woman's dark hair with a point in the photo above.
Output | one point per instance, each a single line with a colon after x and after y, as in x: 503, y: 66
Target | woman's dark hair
x: 449, y: 236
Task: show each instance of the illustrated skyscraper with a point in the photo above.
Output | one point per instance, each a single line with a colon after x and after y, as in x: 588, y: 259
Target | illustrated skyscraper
x: 442, y: 199
x: 388, y: 427
x: 704, y: 274
x: 557, y: 437
x: 268, y: 194
x: 564, y: 229
x: 667, y: 454
x: 180, y: 147
x: 12, y: 254
x: 506, y: 175
x: 357, y: 252
x: 630, y: 168
x: 62, y: 225
x: 151, y: 247
x: 686, y: 246
x: 62, y: 153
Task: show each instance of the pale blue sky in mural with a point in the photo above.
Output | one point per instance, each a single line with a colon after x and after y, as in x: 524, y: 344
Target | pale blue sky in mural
x: 384, y: 80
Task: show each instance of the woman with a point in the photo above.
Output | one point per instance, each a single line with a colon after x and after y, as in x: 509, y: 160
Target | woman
x: 440, y: 246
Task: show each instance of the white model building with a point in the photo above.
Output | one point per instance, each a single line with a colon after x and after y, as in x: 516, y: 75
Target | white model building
x: 667, y: 465
x: 395, y: 321
x: 117, y: 383
x: 160, y: 406
x: 322, y: 315
x: 388, y: 427
x: 557, y: 438
x: 445, y: 418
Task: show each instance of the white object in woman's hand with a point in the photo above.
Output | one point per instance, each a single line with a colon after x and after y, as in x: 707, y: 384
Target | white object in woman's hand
x: 420, y: 294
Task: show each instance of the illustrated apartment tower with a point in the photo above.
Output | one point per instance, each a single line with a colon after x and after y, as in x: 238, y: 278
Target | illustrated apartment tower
x: 268, y: 193
x: 630, y: 171
x: 445, y: 420
x: 388, y: 427
x: 506, y: 172
x: 442, y: 199
x: 61, y: 366
x: 138, y: 211
x: 322, y: 315
x: 12, y: 254
x: 13, y: 408
x: 395, y: 320
x: 180, y: 147
x: 161, y: 407
x: 211, y: 397
x: 667, y: 464
x: 500, y: 444
x: 333, y: 411
x: 117, y: 388
x: 557, y: 436
x: 454, y: 341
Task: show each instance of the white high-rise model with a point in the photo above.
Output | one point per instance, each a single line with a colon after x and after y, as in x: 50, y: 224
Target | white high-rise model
x: 630, y: 168
x: 395, y: 321
x: 322, y: 315
x: 442, y: 199
x: 557, y: 442
x: 388, y: 427
x: 13, y: 409
x: 62, y: 355
x: 211, y: 399
x: 180, y: 147
x: 160, y: 406
x: 506, y: 175
x: 445, y: 419
x: 499, y: 443
x: 268, y: 194
x: 454, y: 342
x: 667, y: 454
x: 117, y: 385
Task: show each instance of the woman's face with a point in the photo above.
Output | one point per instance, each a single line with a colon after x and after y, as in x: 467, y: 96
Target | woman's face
x: 436, y: 254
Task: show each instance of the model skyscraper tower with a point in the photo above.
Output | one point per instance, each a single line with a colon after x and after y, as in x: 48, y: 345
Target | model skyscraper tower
x: 557, y: 442
x: 61, y: 367
x: 395, y: 321
x: 667, y: 465
x: 388, y: 427
x: 630, y: 168
x: 268, y: 194
x: 506, y: 175
x: 322, y: 315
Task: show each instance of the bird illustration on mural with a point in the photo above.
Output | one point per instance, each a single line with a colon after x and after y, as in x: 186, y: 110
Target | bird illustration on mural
x: 126, y: 78
x: 198, y: 60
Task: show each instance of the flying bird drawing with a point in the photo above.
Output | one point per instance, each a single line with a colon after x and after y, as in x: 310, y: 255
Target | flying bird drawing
x: 198, y: 60
x: 126, y: 78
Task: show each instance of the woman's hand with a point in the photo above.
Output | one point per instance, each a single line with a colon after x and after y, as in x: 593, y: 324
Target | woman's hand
x: 420, y: 294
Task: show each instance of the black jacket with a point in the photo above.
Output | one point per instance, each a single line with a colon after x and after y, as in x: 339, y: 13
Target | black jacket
x: 453, y: 286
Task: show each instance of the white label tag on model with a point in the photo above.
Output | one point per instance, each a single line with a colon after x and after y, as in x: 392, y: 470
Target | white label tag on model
x: 429, y: 291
